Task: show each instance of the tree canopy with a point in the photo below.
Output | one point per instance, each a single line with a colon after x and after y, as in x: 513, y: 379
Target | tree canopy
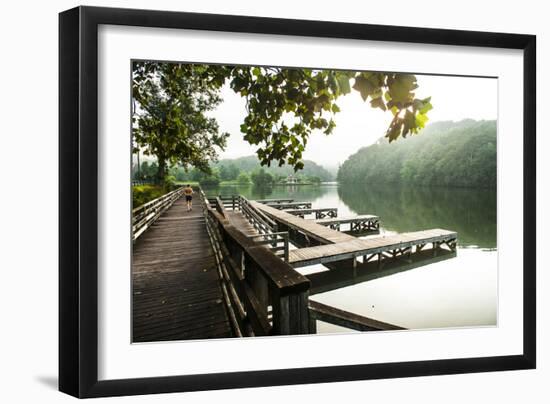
x: 284, y: 106
x: 458, y: 154
x: 170, y: 120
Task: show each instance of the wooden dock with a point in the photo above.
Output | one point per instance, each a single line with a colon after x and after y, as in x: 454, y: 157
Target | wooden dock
x: 268, y: 201
x: 313, y: 231
x: 357, y: 224
x: 290, y: 205
x: 175, y: 283
x: 320, y: 213
x: 401, y: 244
x: 325, y: 245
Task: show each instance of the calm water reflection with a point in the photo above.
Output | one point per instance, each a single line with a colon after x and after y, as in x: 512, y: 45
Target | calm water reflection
x: 458, y: 292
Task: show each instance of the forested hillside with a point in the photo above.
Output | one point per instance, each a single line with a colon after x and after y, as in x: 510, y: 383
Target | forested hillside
x: 251, y: 163
x: 459, y: 154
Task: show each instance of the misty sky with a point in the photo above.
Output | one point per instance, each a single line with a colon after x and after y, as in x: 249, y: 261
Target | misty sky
x: 359, y: 125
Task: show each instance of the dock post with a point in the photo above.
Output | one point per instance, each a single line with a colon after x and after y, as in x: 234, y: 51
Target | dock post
x: 291, y: 314
x: 312, y: 323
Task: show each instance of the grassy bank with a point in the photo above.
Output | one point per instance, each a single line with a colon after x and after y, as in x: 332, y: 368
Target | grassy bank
x: 142, y: 194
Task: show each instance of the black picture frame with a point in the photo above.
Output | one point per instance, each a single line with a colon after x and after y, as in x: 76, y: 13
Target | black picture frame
x: 78, y: 201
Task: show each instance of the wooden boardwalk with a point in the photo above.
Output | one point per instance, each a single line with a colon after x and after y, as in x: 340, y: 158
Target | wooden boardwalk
x: 337, y: 246
x: 290, y: 205
x: 356, y: 223
x: 175, y: 282
x: 320, y: 213
x: 402, y: 242
x: 323, y: 234
x: 238, y: 220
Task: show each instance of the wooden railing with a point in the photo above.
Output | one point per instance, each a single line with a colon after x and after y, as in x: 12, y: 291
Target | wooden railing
x: 259, y: 220
x: 145, y: 215
x: 264, y: 295
x: 144, y: 182
x: 346, y: 319
x: 277, y: 242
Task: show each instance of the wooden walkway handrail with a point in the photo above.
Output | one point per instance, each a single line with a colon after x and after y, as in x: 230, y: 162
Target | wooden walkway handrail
x: 267, y: 201
x: 342, y: 318
x: 290, y: 205
x: 249, y: 209
x: 267, y: 296
x: 145, y: 215
x: 320, y: 213
x: 401, y: 244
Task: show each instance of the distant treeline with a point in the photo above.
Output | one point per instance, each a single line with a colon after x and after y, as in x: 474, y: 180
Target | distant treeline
x: 459, y: 154
x: 244, y: 170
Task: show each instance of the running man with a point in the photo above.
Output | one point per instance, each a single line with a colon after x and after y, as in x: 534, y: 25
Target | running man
x: 188, y: 191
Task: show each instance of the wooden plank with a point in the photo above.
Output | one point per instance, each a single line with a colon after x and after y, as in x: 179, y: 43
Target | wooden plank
x: 291, y: 205
x: 175, y: 283
x: 316, y: 231
x: 358, y: 247
x: 309, y: 211
x: 347, y: 319
x: 275, y: 200
x: 347, y: 219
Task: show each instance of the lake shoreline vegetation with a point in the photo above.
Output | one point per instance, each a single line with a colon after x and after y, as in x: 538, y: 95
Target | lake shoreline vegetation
x: 445, y: 154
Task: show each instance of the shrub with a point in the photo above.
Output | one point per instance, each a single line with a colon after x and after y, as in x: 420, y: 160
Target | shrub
x: 243, y: 178
x: 144, y: 193
x: 210, y: 180
x: 169, y: 183
x: 261, y: 178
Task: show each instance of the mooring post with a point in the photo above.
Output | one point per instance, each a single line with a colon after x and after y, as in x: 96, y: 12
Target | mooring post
x: 291, y: 313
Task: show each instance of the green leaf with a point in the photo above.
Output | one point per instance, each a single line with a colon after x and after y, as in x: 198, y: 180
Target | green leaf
x: 364, y: 87
x: 408, y: 123
x: 394, y: 131
x: 401, y: 88
x: 343, y: 83
x: 421, y: 120
x: 426, y: 107
x: 378, y: 103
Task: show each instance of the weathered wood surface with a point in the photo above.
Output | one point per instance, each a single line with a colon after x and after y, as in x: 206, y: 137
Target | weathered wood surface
x: 290, y: 205
x: 313, y: 230
x: 261, y: 281
x: 275, y: 200
x: 346, y: 219
x: 320, y: 213
x: 342, y: 318
x: 175, y: 283
x: 363, y: 247
x: 278, y: 243
x: 240, y: 222
x: 355, y: 224
x: 145, y: 215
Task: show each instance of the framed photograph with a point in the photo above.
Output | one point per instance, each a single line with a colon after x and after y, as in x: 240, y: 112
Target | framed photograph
x: 251, y: 201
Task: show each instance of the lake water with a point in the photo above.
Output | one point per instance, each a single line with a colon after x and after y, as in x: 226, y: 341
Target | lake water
x: 458, y: 292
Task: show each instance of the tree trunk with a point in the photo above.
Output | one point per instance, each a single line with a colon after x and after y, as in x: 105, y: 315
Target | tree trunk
x: 161, y: 173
